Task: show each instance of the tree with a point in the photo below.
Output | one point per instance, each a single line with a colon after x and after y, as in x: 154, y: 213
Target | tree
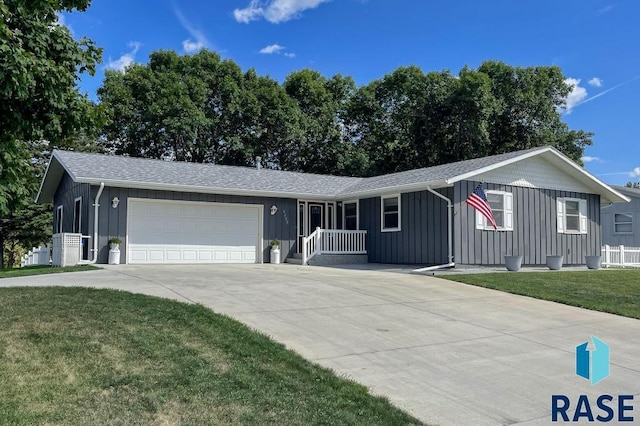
x: 186, y: 107
x: 409, y: 119
x: 40, y: 63
x: 321, y: 147
x: 633, y: 185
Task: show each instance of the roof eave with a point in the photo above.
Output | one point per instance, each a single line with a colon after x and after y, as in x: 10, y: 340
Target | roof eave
x: 394, y: 189
x: 205, y: 189
x: 604, y: 190
x: 43, y: 197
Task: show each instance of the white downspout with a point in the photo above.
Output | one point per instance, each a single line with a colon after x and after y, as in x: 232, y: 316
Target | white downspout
x: 451, y: 263
x: 96, y: 206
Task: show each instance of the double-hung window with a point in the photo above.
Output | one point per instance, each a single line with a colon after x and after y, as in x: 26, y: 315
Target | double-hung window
x: 390, y: 213
x: 350, y: 215
x: 77, y: 215
x: 572, y: 216
x: 501, y: 204
x: 622, y: 223
x: 59, y: 217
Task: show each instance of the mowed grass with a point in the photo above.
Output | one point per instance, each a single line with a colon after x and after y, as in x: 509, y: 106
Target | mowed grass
x: 43, y: 269
x: 78, y: 356
x: 616, y: 290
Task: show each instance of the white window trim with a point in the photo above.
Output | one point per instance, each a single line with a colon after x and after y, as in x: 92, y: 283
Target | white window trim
x: 620, y: 223
x: 79, y: 231
x: 344, y: 210
x: 561, y: 217
x: 59, y: 219
x: 386, y: 197
x: 507, y: 202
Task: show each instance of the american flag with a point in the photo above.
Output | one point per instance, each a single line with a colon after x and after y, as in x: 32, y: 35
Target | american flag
x: 478, y: 200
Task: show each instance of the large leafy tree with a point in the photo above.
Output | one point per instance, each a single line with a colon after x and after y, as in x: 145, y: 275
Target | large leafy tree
x: 321, y: 102
x: 40, y: 63
x: 201, y: 108
x: 409, y: 119
x: 187, y: 107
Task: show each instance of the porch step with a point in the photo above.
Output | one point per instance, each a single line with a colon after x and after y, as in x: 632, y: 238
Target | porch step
x: 330, y: 259
x: 297, y: 255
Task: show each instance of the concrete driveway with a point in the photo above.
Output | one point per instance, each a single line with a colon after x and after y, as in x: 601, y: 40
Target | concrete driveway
x: 446, y: 352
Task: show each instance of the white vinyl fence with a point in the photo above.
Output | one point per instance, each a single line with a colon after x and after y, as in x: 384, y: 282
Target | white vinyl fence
x: 36, y: 256
x: 620, y: 256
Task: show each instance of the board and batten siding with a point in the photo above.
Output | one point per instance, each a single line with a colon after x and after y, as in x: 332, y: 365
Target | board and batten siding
x: 422, y: 239
x: 113, y: 222
x: 65, y: 195
x: 534, y: 234
x: 612, y: 238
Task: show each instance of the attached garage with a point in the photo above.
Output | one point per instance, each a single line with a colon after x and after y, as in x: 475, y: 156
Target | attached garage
x: 167, y: 231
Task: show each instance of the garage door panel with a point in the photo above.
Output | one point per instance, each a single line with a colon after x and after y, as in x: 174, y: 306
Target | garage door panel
x: 156, y: 255
x: 176, y: 232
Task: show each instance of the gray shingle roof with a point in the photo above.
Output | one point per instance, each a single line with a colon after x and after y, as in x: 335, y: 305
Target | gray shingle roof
x: 98, y: 167
x: 431, y: 174
x: 632, y: 192
x: 193, y: 177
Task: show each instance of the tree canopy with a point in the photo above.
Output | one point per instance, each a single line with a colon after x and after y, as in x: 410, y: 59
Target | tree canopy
x: 40, y: 63
x: 204, y: 109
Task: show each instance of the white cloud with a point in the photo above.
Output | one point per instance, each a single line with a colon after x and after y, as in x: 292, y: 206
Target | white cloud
x: 577, y: 95
x: 271, y: 49
x: 635, y: 172
x: 253, y: 12
x: 127, y: 59
x: 604, y: 92
x: 192, y: 46
x: 62, y: 21
x: 274, y: 11
x: 590, y: 159
x: 606, y: 9
x: 197, y: 41
x: 290, y: 54
x: 595, y: 82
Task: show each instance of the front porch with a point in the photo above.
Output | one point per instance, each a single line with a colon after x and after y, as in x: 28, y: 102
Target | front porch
x: 328, y: 234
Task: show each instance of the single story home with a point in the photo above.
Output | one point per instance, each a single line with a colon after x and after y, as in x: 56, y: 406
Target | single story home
x: 177, y: 212
x: 620, y: 220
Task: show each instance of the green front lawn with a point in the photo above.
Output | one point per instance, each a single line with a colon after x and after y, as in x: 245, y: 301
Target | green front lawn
x: 39, y: 270
x: 616, y: 291
x: 80, y: 356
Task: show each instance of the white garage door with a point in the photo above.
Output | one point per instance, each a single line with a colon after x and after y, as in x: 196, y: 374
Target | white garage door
x: 190, y: 232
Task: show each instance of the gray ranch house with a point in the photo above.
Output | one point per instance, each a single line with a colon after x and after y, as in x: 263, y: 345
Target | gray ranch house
x: 620, y: 225
x: 176, y: 212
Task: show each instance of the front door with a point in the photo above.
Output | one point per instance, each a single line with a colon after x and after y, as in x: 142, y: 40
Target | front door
x: 316, y: 217
x: 312, y: 215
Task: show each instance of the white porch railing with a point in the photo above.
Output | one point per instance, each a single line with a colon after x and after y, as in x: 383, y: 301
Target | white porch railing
x: 621, y: 256
x: 333, y: 241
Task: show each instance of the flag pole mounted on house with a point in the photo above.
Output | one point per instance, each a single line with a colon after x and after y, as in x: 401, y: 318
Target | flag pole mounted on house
x: 478, y: 200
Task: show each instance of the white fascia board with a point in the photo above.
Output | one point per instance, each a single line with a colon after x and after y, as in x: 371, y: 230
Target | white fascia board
x: 46, y: 173
x: 204, y: 189
x: 420, y: 186
x: 466, y: 176
x: 612, y: 194
x: 258, y: 193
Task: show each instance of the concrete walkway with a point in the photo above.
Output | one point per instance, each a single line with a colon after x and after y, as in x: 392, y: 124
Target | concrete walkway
x: 446, y: 352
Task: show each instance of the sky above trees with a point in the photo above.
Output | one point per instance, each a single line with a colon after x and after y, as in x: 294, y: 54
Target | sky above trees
x: 593, y: 41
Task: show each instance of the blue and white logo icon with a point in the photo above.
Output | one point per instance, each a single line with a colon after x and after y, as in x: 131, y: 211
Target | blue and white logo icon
x: 593, y: 364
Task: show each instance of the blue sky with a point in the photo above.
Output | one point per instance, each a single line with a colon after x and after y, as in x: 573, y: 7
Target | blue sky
x: 595, y: 42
